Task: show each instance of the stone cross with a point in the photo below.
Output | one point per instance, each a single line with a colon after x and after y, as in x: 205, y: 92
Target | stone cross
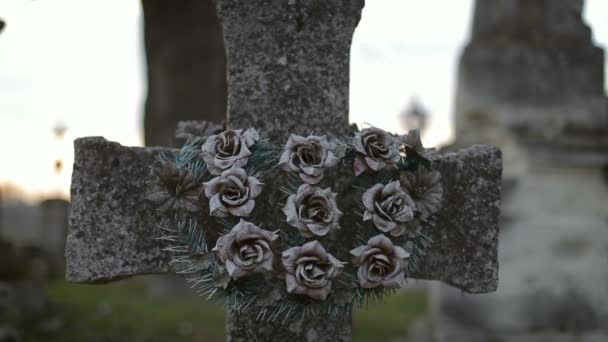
x: 288, y: 69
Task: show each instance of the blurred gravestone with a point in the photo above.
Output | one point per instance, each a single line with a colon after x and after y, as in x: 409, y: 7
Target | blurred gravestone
x: 287, y: 73
x: 54, y: 230
x: 186, y: 67
x: 532, y: 82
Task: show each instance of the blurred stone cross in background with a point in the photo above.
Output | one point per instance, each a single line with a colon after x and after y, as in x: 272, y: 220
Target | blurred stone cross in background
x: 288, y: 72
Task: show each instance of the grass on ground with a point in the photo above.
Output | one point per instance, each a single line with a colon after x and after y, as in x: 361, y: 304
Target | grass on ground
x: 124, y: 312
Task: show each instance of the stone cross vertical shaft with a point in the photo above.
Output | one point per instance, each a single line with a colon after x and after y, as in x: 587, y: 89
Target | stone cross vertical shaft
x: 288, y: 72
x: 288, y: 67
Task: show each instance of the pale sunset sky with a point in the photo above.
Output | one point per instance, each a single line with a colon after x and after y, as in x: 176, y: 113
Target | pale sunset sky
x: 81, y: 62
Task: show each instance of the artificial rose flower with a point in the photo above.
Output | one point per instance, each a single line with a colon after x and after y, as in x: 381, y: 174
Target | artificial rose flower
x: 313, y: 211
x: 424, y: 187
x: 310, y: 270
x: 246, y: 249
x: 376, y: 150
x: 308, y: 156
x: 227, y: 149
x: 389, y: 206
x: 380, y: 263
x: 175, y: 189
x: 232, y: 193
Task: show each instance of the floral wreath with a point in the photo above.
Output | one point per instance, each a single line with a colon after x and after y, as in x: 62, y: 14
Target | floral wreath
x: 313, y: 257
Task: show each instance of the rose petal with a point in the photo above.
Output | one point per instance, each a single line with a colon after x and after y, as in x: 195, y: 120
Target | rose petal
x: 220, y: 246
x: 266, y: 265
x: 293, y: 286
x: 374, y: 164
x: 383, y: 225
x: 395, y: 282
x: 237, y: 172
x: 338, y: 265
x: 243, y: 155
x: 249, y: 137
x: 314, y: 248
x: 401, y: 253
x: 405, y: 215
x: 224, y: 162
x: 212, y: 187
x: 382, y: 242
x: 233, y: 270
x: 288, y: 258
x: 295, y: 140
x: 214, y: 170
x: 311, y: 170
x: 357, y: 143
x: 320, y: 293
x: 370, y: 195
x: 284, y: 160
x: 391, y: 188
x: 318, y: 229
x: 216, y: 208
x: 359, y: 165
x: 357, y: 252
x: 310, y: 179
x: 290, y: 210
x: 255, y: 187
x: 364, y: 282
x: 243, y: 210
x: 304, y: 189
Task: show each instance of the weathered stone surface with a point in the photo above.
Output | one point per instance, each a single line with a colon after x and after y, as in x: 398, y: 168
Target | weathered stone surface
x: 288, y: 64
x: 464, y: 252
x: 113, y: 233
x: 321, y: 328
x: 186, y: 67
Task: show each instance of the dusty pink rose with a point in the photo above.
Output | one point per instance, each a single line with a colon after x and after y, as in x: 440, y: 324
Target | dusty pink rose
x: 376, y: 150
x: 310, y: 270
x: 313, y: 211
x: 232, y: 193
x: 246, y: 250
x: 228, y: 149
x: 389, y: 206
x: 308, y: 157
x: 380, y: 263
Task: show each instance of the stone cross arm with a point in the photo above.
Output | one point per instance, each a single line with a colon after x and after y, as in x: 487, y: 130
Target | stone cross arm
x: 113, y: 234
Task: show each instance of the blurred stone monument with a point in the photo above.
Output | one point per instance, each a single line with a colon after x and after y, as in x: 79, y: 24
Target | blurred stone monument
x: 54, y: 215
x: 186, y: 66
x: 531, y: 81
x: 414, y: 116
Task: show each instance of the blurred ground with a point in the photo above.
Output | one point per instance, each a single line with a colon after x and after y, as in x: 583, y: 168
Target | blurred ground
x: 124, y: 312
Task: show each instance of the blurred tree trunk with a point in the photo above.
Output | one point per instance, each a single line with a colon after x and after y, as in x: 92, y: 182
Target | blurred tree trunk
x: 186, y: 66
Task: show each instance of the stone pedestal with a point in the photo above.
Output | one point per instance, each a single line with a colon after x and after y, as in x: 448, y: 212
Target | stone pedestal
x: 551, y: 254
